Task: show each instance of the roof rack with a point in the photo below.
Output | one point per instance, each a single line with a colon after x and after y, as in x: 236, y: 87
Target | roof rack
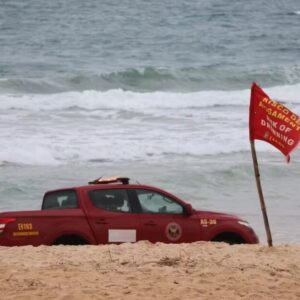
x: 106, y: 180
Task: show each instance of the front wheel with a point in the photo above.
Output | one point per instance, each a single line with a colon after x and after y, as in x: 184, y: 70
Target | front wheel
x: 229, y: 238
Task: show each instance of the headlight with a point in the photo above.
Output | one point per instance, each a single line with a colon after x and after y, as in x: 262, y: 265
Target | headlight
x: 244, y: 223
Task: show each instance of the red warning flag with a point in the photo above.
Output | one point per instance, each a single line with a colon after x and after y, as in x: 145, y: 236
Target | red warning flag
x: 272, y: 122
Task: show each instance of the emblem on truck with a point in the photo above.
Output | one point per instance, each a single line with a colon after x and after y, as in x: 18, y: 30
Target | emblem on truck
x: 173, y: 231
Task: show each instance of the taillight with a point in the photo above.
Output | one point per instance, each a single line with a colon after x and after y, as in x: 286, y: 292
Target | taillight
x: 4, y: 222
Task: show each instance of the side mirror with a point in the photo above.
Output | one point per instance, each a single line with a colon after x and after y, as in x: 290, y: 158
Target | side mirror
x: 188, y: 210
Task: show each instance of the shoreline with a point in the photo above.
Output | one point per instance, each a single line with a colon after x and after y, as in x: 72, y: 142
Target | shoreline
x: 200, y: 270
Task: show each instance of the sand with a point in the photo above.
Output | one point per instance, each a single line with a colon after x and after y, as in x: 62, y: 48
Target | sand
x: 151, y: 271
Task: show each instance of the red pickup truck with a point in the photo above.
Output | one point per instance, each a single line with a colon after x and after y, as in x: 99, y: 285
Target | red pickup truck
x: 115, y: 211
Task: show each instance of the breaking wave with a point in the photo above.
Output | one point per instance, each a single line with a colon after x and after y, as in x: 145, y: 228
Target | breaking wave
x: 117, y: 125
x: 149, y: 79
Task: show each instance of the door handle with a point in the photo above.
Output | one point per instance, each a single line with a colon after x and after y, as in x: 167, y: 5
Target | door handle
x: 150, y: 223
x: 101, y: 221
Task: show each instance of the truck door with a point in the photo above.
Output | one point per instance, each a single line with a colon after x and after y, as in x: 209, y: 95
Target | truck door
x: 163, y: 219
x: 112, y: 217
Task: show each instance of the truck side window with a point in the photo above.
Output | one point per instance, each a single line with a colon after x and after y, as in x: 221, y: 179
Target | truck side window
x: 60, y: 200
x: 112, y: 200
x: 156, y: 203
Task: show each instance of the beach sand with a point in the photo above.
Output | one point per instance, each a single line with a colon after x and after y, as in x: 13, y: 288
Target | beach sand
x: 151, y: 271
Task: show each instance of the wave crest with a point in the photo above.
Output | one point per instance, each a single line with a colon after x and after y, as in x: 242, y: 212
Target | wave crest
x: 149, y: 79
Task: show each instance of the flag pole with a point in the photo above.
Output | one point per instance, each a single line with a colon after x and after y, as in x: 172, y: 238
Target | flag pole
x: 260, y: 193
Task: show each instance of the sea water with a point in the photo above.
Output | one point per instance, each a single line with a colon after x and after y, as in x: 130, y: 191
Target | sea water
x: 155, y: 90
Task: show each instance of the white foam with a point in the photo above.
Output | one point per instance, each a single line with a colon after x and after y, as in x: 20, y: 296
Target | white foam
x: 116, y: 99
x: 119, y: 125
x: 24, y: 152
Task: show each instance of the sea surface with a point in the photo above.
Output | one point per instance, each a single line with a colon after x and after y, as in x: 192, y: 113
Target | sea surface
x: 155, y: 90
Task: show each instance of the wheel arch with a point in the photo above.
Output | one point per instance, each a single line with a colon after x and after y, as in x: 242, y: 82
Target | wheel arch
x: 70, y: 238
x: 229, y: 237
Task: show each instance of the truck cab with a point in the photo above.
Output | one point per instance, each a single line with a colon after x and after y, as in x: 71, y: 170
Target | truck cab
x: 111, y: 210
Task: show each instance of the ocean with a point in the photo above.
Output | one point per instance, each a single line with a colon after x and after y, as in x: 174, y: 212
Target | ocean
x: 154, y: 90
